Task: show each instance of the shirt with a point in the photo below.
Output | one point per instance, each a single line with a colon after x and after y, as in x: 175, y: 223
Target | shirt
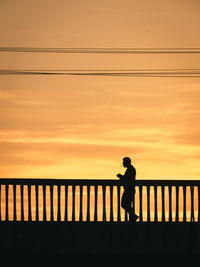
x: 130, y: 173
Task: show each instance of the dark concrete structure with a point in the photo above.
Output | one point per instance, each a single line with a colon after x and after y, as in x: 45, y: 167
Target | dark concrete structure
x: 99, y: 238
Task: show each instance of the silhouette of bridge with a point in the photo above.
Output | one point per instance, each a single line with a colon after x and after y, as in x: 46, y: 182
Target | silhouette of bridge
x: 85, y: 216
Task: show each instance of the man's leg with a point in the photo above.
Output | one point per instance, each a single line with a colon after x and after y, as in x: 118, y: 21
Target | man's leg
x: 133, y: 216
x: 126, y: 203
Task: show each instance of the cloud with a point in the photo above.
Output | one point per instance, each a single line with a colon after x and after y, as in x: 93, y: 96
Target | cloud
x: 188, y: 137
x: 43, y: 130
x: 120, y: 106
x: 84, y: 160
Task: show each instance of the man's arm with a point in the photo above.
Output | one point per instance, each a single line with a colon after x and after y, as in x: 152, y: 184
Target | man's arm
x: 120, y: 176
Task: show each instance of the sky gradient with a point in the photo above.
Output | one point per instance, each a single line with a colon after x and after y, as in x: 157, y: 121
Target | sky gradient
x: 82, y: 127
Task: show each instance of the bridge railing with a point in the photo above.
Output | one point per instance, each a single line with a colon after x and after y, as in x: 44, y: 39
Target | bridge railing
x: 97, y: 200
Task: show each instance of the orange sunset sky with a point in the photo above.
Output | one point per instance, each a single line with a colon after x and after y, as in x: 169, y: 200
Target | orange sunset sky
x: 82, y: 126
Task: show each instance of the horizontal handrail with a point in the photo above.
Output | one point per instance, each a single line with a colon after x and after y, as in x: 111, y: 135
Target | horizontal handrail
x: 53, y: 181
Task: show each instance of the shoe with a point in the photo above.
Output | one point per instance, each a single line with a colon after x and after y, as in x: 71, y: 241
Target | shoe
x: 133, y: 217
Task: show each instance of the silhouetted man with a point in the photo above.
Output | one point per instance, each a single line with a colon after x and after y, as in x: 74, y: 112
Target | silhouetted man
x: 127, y: 201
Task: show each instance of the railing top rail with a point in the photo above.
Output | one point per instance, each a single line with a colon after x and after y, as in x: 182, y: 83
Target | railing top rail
x: 44, y: 181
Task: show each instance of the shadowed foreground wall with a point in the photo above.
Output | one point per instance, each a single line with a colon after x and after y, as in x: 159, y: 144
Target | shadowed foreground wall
x: 69, y: 238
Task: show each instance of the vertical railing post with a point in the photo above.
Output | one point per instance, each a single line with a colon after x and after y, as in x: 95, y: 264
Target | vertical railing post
x: 59, y: 207
x: 51, y: 203
x: 177, y: 203
x: 104, y: 202
x: 155, y: 204
x: 29, y: 203
x: 73, y: 202
x: 22, y: 202
x: 44, y: 203
x: 184, y: 203
x: 163, y: 202
x: 88, y: 203
x: 14, y: 203
x: 198, y: 203
x: 111, y: 203
x: 36, y: 203
x: 140, y: 200
x: 192, y: 203
x: 148, y: 203
x: 134, y: 192
x: 66, y: 203
x: 0, y: 203
x: 170, y: 203
x: 95, y: 202
x: 118, y: 204
x: 81, y: 204
x: 7, y: 189
x: 126, y: 216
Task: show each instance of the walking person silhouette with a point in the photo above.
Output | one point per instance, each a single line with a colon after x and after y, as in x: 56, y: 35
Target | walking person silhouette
x: 127, y: 202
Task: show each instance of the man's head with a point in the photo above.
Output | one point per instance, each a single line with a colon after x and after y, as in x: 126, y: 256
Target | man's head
x: 126, y: 161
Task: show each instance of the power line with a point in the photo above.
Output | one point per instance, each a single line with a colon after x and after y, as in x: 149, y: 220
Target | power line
x: 189, y: 73
x: 104, y: 70
x: 90, y: 50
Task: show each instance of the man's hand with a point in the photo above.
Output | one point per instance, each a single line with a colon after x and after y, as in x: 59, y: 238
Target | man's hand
x: 119, y: 175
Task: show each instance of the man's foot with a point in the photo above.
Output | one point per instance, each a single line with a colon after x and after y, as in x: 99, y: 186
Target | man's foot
x: 133, y: 217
